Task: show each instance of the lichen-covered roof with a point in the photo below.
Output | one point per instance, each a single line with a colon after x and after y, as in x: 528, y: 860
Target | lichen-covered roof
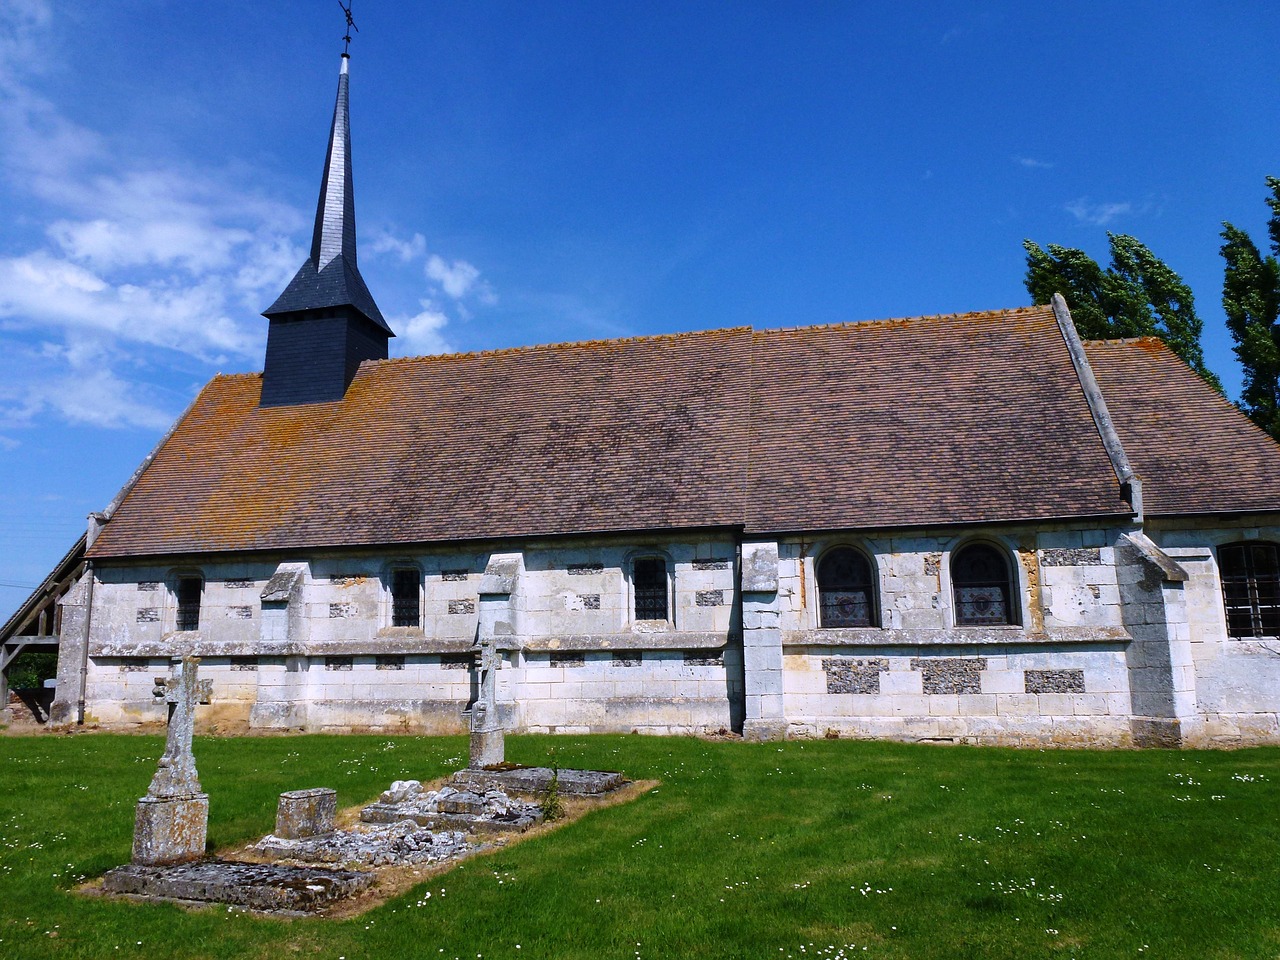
x: 1194, y: 451
x: 966, y: 419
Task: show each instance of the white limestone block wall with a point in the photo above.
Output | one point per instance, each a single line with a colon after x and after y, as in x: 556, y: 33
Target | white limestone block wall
x: 1236, y: 682
x: 329, y: 657
x: 1057, y: 676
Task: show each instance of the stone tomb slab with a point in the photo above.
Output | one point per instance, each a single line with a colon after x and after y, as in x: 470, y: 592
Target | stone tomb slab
x: 270, y: 887
x: 534, y: 781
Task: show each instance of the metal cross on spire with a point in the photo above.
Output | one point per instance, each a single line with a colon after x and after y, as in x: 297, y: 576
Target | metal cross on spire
x: 351, y: 25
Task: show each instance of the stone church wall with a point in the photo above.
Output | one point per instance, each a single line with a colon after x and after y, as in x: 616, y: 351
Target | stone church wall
x: 1111, y: 646
x: 1236, y: 682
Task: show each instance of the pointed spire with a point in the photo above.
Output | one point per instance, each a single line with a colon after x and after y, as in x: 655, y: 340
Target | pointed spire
x: 335, y: 231
x: 330, y: 277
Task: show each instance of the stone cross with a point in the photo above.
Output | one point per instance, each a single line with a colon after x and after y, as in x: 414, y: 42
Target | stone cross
x: 176, y: 771
x: 486, y: 734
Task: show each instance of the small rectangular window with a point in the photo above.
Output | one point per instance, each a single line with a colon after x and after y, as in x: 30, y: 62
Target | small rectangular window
x: 404, y: 598
x: 189, y: 590
x: 649, y: 580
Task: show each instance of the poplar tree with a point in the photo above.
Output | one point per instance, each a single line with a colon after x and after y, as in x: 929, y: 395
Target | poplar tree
x: 1251, y: 300
x: 1138, y: 295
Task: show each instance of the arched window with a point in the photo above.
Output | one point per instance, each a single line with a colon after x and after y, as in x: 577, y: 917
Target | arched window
x: 649, y: 584
x: 1251, y: 588
x: 983, y: 587
x: 846, y: 596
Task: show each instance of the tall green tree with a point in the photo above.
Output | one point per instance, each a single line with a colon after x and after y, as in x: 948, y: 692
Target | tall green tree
x: 1251, y: 299
x: 1138, y: 295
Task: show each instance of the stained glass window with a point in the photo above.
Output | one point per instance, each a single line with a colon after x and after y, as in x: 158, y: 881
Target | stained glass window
x: 982, y: 585
x: 845, y: 593
x: 649, y: 581
x: 189, y: 590
x: 404, y: 597
x: 1251, y: 588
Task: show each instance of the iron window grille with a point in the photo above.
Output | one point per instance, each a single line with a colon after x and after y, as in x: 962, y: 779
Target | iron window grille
x: 846, y: 597
x: 404, y: 598
x: 983, y: 587
x: 649, y: 581
x: 1251, y: 588
x: 189, y: 591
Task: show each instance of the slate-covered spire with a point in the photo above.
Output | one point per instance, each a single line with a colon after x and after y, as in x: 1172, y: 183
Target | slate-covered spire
x: 325, y: 324
x: 330, y: 277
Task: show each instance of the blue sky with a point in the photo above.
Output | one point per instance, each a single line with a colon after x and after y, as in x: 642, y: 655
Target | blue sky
x: 532, y: 172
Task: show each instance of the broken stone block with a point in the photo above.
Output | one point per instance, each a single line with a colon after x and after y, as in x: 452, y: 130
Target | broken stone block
x: 400, y: 791
x: 464, y: 802
x: 170, y: 829
x: 306, y: 813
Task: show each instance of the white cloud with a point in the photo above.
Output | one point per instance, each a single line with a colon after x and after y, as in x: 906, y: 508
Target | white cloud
x: 405, y: 250
x: 456, y: 278
x: 77, y: 384
x: 1097, y: 214
x: 1031, y: 163
x: 147, y: 266
x: 421, y: 333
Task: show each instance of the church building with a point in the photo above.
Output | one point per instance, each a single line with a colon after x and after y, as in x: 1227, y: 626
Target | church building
x: 972, y: 528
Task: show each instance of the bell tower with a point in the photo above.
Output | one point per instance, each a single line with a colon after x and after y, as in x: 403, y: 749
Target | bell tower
x: 325, y: 323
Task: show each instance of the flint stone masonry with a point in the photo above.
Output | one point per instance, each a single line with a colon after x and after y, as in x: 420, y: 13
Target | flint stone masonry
x: 148, y: 615
x: 585, y: 569
x: 711, y: 564
x: 1054, y: 681
x: 148, y: 586
x: 700, y: 659
x: 255, y: 886
x: 462, y: 606
x: 306, y: 813
x: 238, y: 584
x: 950, y: 674
x: 1072, y: 557
x: 709, y: 598
x: 451, y: 576
x: 854, y: 676
x: 341, y: 611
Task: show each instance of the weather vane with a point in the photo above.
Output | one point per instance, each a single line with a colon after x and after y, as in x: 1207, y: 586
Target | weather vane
x: 351, y: 25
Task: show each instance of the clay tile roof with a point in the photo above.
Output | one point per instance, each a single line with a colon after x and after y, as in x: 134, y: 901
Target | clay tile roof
x: 618, y: 435
x: 965, y: 419
x: 936, y: 420
x: 1194, y: 451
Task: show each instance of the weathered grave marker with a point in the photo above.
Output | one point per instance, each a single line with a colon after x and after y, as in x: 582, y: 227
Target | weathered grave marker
x: 487, y: 747
x: 172, y: 821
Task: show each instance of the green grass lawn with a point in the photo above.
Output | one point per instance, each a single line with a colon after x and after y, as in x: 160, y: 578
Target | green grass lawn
x: 816, y: 849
